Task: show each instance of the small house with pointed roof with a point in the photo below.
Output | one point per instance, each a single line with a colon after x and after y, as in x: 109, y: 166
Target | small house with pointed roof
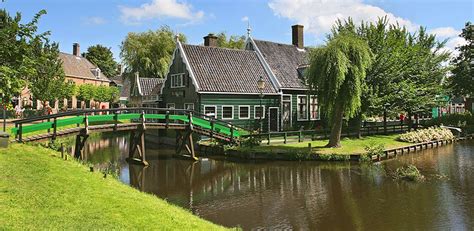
x: 222, y: 83
x: 145, y: 92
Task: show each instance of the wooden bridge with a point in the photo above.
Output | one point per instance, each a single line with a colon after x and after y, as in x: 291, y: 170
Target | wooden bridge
x: 81, y: 123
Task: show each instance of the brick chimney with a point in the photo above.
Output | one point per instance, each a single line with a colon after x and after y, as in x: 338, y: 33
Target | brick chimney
x: 297, y: 36
x: 76, y: 49
x: 210, y: 40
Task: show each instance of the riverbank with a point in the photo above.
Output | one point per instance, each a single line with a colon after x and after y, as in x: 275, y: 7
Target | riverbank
x: 382, y: 146
x: 39, y: 190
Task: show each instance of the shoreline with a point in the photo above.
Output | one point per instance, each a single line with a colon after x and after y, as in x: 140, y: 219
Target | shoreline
x: 307, y: 154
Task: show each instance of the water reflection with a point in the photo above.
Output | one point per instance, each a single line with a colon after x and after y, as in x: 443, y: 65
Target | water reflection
x: 307, y: 195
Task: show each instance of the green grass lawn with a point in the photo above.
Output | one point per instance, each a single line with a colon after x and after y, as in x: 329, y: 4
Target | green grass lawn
x: 349, y: 146
x: 39, y: 190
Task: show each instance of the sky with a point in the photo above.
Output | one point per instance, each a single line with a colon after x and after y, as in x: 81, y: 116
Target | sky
x: 107, y: 22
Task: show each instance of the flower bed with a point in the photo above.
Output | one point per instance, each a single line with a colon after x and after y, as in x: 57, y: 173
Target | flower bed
x: 426, y: 135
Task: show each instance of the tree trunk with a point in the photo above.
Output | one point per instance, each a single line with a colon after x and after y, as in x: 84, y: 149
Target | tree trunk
x: 359, y: 124
x: 335, y: 137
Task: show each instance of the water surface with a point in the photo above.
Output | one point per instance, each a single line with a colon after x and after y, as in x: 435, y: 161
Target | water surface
x: 306, y: 195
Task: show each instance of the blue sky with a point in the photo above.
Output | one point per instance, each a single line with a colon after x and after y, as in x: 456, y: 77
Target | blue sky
x: 107, y: 22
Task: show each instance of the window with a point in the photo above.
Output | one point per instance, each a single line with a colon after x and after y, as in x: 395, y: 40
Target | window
x: 189, y: 106
x: 227, y: 112
x: 258, y: 111
x: 244, y: 112
x: 314, y: 108
x: 302, y: 107
x: 177, y: 80
x: 170, y: 106
x: 210, y: 111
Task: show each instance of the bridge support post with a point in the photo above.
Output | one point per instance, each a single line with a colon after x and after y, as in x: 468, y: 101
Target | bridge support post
x: 137, y: 144
x: 185, y: 141
x: 80, y: 143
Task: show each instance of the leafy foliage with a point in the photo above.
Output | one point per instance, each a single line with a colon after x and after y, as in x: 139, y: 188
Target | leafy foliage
x: 462, y: 81
x: 47, y: 80
x: 103, y: 58
x: 407, y: 69
x: 16, y: 59
x: 98, y: 93
x: 232, y: 42
x: 337, y: 72
x: 149, y: 53
x: 410, y: 173
x: 426, y: 135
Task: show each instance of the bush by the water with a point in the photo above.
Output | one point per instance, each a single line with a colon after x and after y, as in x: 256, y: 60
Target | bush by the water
x: 409, y: 172
x: 426, y: 135
x: 464, y: 121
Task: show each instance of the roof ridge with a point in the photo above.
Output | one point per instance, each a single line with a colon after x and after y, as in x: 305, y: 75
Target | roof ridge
x: 220, y: 48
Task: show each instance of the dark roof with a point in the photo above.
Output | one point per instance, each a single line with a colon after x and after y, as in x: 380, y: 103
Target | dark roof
x: 226, y: 70
x: 284, y: 60
x: 77, y: 66
x: 125, y: 91
x: 148, y: 84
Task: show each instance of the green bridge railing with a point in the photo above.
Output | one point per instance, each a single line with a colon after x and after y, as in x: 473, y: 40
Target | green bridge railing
x: 112, y: 116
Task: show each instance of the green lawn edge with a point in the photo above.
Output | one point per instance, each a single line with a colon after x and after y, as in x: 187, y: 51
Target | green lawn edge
x: 349, y: 146
x: 39, y: 190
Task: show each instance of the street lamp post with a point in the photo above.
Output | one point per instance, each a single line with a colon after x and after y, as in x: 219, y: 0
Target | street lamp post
x: 4, y: 112
x: 385, y: 106
x: 261, y: 86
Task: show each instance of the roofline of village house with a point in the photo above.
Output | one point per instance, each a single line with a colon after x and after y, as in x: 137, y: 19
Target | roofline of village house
x: 237, y: 93
x: 82, y: 77
x: 276, y: 84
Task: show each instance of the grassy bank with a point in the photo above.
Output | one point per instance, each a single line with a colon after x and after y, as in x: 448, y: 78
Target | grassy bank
x: 349, y: 146
x: 39, y: 190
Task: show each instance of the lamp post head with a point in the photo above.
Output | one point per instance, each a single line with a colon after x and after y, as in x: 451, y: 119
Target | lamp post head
x: 261, y: 84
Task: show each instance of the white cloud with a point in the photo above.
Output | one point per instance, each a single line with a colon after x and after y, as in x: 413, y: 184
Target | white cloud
x: 245, y: 19
x: 318, y: 16
x: 160, y: 9
x: 444, y: 32
x: 94, y: 21
x: 452, y: 37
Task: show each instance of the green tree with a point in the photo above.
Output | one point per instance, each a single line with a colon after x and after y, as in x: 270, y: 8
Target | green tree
x: 103, y: 58
x: 86, y: 92
x: 149, y: 53
x: 16, y: 63
x: 47, y: 80
x: 462, y: 80
x: 102, y: 93
x: 337, y: 73
x: 233, y: 42
x: 407, y: 68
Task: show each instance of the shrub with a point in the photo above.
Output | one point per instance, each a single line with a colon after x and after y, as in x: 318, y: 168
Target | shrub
x: 251, y: 141
x: 428, y: 134
x: 409, y: 172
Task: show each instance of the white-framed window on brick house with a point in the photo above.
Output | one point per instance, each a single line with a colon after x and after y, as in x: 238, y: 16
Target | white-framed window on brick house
x: 189, y: 106
x: 177, y: 80
x: 302, y: 107
x: 314, y: 113
x: 244, y: 112
x: 227, y: 112
x: 210, y: 110
x: 257, y: 111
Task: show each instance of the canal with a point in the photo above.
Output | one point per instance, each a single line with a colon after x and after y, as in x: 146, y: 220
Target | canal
x: 304, y: 195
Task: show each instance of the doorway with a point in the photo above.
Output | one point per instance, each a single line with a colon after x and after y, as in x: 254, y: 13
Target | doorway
x: 273, y: 119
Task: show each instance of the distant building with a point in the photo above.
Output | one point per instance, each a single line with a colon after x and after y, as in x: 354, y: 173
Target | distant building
x: 145, y: 92
x: 78, y: 70
x: 123, y: 84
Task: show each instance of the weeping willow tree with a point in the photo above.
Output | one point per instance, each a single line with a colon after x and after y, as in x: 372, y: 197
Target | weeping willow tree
x: 336, y: 73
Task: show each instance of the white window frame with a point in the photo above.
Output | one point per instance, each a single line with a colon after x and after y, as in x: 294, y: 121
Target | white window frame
x: 317, y: 106
x: 298, y: 108
x: 186, y: 104
x: 215, y: 110
x: 222, y: 110
x: 255, y: 114
x: 291, y: 108
x: 248, y: 112
x: 174, y: 78
x: 168, y: 105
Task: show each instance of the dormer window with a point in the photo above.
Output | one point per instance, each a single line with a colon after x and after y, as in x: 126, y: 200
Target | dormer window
x: 301, y: 70
x: 96, y: 72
